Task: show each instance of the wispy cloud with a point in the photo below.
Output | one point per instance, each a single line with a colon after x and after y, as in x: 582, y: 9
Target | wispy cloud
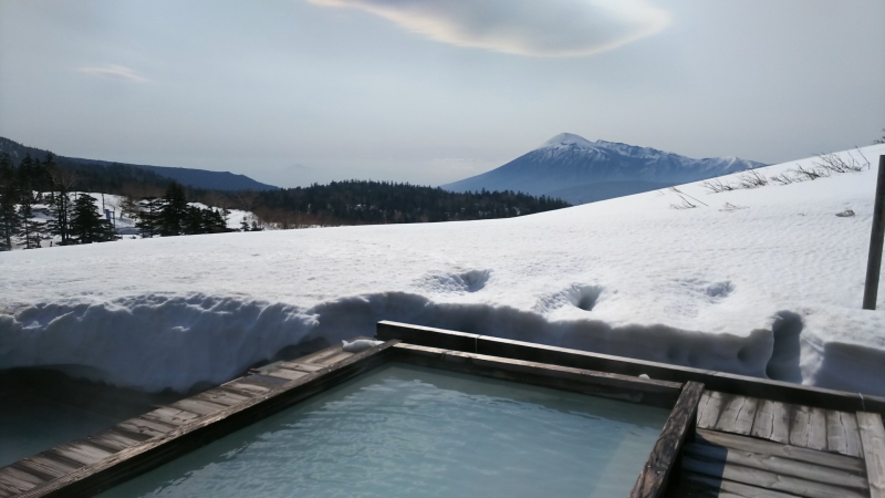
x: 113, y: 71
x: 541, y: 28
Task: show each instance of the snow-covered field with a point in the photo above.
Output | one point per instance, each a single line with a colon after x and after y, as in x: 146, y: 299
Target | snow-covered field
x: 765, y: 282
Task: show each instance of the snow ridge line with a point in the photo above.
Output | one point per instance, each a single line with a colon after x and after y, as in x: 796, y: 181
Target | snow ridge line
x: 156, y: 342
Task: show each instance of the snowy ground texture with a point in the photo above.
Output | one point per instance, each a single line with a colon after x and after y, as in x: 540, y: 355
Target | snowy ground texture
x: 764, y: 282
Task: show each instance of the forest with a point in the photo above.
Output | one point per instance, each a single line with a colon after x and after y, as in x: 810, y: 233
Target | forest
x: 165, y: 208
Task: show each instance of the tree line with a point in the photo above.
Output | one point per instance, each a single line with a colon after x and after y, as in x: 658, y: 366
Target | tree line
x: 73, y: 217
x: 38, y: 202
x: 70, y: 216
x: 172, y: 215
x: 356, y: 202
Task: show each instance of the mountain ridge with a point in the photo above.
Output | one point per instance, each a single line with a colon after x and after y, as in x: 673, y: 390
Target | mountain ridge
x: 567, y: 163
x: 189, y: 177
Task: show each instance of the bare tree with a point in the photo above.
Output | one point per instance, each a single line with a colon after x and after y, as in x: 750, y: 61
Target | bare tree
x: 246, y: 199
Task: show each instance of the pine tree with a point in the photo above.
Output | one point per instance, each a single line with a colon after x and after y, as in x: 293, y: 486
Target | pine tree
x: 63, y: 182
x: 173, y: 216
x: 30, y: 231
x: 29, y: 179
x: 10, y: 220
x: 87, y: 225
x: 148, y: 217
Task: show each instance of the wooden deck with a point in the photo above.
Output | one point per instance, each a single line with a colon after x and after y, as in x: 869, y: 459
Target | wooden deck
x: 727, y: 435
x: 67, y: 469
x: 753, y: 437
x: 749, y: 447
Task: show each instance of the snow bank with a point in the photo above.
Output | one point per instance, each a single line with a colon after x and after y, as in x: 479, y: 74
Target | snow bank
x: 765, y: 282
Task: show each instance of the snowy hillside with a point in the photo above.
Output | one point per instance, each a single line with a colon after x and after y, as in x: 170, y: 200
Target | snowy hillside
x: 764, y: 281
x: 579, y: 171
x: 112, y: 208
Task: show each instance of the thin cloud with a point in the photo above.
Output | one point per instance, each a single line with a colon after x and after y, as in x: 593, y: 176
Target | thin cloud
x: 116, y: 72
x: 540, y: 28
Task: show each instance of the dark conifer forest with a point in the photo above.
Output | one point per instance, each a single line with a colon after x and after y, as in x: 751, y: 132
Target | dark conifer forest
x: 163, y: 207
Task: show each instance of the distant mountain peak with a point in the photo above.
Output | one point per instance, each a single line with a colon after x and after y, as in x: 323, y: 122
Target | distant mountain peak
x: 568, y: 139
x: 575, y: 169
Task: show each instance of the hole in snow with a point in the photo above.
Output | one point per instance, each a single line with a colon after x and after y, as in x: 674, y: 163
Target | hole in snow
x: 469, y: 281
x: 475, y: 280
x: 720, y: 290
x: 585, y: 297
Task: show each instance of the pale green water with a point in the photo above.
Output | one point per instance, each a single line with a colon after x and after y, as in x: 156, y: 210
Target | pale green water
x: 409, y: 431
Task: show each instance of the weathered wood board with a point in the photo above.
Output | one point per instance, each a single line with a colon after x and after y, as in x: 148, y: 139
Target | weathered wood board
x: 652, y: 481
x: 785, y: 392
x: 133, y: 446
x: 622, y: 387
x: 872, y: 437
x: 772, y: 421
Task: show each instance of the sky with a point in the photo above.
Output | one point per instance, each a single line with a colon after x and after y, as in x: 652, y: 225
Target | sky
x: 292, y: 92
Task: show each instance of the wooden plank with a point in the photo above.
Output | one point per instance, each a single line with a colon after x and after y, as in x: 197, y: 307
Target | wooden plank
x: 175, y: 442
x: 301, y: 367
x: 331, y: 359
x: 763, y: 447
x: 872, y: 438
x: 623, y: 387
x: 245, y: 388
x: 222, y: 397
x: 129, y: 434
x: 433, y: 337
x: 772, y: 421
x: 168, y: 415
x: 737, y: 415
x: 767, y: 480
x: 147, y: 427
x: 263, y: 380
x: 81, y: 451
x: 842, y: 435
x: 199, y: 406
x: 14, y: 481
x: 786, y: 392
x: 817, y: 436
x: 800, y: 426
x: 114, y: 439
x: 285, y: 373
x: 47, y: 466
x: 327, y: 357
x: 731, y: 487
x: 43, y: 477
x: 779, y: 465
x: 652, y: 481
x: 712, y: 407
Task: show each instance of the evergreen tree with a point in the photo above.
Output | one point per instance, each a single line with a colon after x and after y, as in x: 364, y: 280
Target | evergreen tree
x: 87, y: 225
x: 62, y: 183
x: 173, y: 216
x: 148, y: 221
x: 193, y: 221
x: 41, y: 177
x: 30, y: 231
x: 29, y: 181
x: 10, y: 220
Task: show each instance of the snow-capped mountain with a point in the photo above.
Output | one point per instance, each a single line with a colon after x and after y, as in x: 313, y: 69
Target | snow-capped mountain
x: 579, y: 171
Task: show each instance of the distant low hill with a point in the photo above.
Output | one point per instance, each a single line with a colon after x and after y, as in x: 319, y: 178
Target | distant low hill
x: 189, y: 177
x: 579, y: 171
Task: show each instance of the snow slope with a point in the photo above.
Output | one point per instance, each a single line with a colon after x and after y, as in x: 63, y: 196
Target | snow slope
x: 765, y: 282
x: 577, y: 170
